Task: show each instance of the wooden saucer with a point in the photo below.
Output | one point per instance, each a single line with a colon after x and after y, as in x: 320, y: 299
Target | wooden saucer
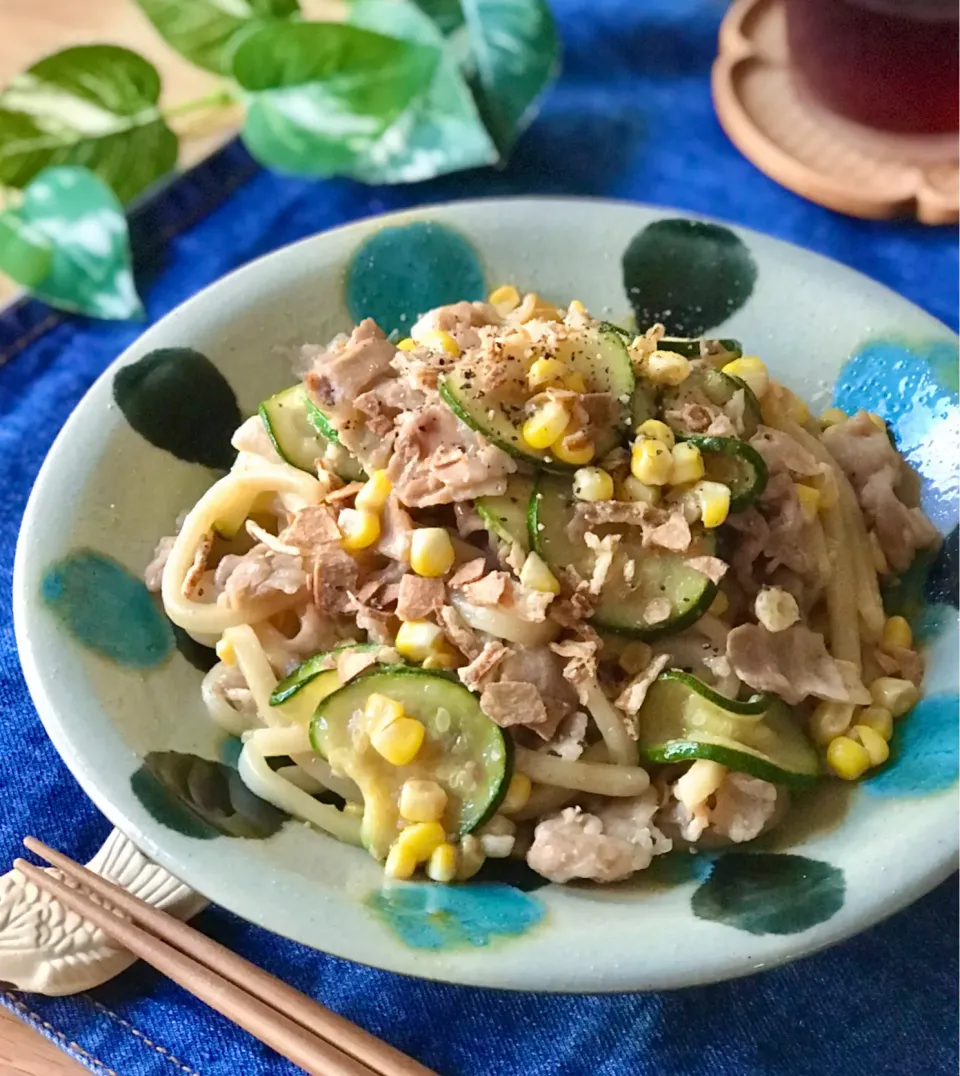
x: 819, y: 155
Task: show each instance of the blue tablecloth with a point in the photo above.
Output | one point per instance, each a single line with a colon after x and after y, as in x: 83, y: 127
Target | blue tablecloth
x: 630, y: 118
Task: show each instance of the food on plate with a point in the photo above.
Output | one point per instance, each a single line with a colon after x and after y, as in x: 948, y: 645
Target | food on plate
x: 529, y: 584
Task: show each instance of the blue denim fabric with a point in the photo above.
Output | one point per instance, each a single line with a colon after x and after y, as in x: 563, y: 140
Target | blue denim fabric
x: 630, y: 118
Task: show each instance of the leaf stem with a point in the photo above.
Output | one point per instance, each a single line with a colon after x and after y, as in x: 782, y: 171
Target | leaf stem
x: 221, y: 97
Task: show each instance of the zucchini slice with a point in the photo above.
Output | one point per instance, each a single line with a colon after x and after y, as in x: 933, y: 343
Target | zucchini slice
x: 506, y: 516
x: 598, y: 354
x: 300, y: 691
x: 709, y: 386
x: 463, y: 750
x: 682, y: 719
x: 690, y: 346
x: 734, y: 463
x: 290, y: 419
x: 657, y: 573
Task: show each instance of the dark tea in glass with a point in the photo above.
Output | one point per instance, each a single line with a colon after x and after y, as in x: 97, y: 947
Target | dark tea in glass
x: 889, y: 64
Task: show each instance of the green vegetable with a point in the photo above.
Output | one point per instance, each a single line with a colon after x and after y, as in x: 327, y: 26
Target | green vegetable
x: 506, y: 516
x: 299, y: 693
x: 690, y: 346
x: 682, y: 719
x: 300, y: 432
x: 463, y: 751
x: 734, y: 463
x: 658, y: 573
x: 598, y: 355
x: 91, y: 105
x: 713, y: 387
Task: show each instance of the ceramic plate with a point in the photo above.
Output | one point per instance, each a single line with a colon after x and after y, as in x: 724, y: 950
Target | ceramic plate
x: 119, y: 693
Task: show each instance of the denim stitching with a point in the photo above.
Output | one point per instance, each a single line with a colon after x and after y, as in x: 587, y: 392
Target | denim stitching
x: 47, y: 1026
x: 162, y: 1050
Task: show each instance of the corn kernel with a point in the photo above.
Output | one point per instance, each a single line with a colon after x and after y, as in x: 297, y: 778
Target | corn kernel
x: 877, y: 718
x: 439, y: 340
x: 897, y: 696
x: 687, y: 464
x: 847, y: 758
x: 399, y: 741
x: 407, y: 345
x: 422, y: 801
x: 576, y: 307
x: 375, y: 492
x: 714, y: 498
x: 431, y: 552
x: 876, y: 746
x: 518, y: 792
x: 632, y: 489
x: 752, y: 372
x: 829, y: 720
x: 658, y: 431
x: 651, y: 462
x: 667, y: 368
x: 537, y: 576
x: 226, y: 653
x: 576, y: 455
x: 809, y: 499
x: 401, y: 863
x: 471, y: 857
x: 896, y: 633
x: 574, y: 382
x: 422, y: 839
x: 544, y: 372
x: 439, y: 661
x: 359, y: 529
x: 833, y: 416
x: 635, y: 657
x: 442, y: 865
x: 720, y: 605
x: 592, y: 484
x: 545, y: 425
x: 418, y: 640
x: 505, y: 298
x: 877, y: 421
x: 380, y: 711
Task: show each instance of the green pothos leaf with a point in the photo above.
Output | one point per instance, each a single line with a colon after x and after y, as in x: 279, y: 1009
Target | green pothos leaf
x: 516, y: 54
x: 447, y: 14
x: 25, y: 253
x: 322, y: 95
x: 440, y: 130
x: 206, y: 32
x: 92, y: 105
x: 81, y: 222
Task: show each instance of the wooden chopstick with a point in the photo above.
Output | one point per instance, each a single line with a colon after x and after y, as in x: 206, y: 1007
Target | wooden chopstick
x: 273, y: 1011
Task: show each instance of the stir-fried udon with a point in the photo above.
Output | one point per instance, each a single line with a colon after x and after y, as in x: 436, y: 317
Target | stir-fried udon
x: 527, y: 584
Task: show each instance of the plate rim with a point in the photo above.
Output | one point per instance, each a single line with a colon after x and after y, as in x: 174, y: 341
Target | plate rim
x: 734, y: 964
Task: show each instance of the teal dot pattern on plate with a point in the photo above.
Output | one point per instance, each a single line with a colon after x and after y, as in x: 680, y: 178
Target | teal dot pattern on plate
x: 923, y: 752
x: 686, y: 274
x: 913, y: 387
x: 400, y: 273
x: 176, y: 399
x: 202, y: 798
x: 106, y: 608
x: 441, y: 917
x: 767, y: 893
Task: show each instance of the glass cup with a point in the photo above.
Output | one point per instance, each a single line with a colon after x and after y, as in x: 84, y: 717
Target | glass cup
x: 887, y: 64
